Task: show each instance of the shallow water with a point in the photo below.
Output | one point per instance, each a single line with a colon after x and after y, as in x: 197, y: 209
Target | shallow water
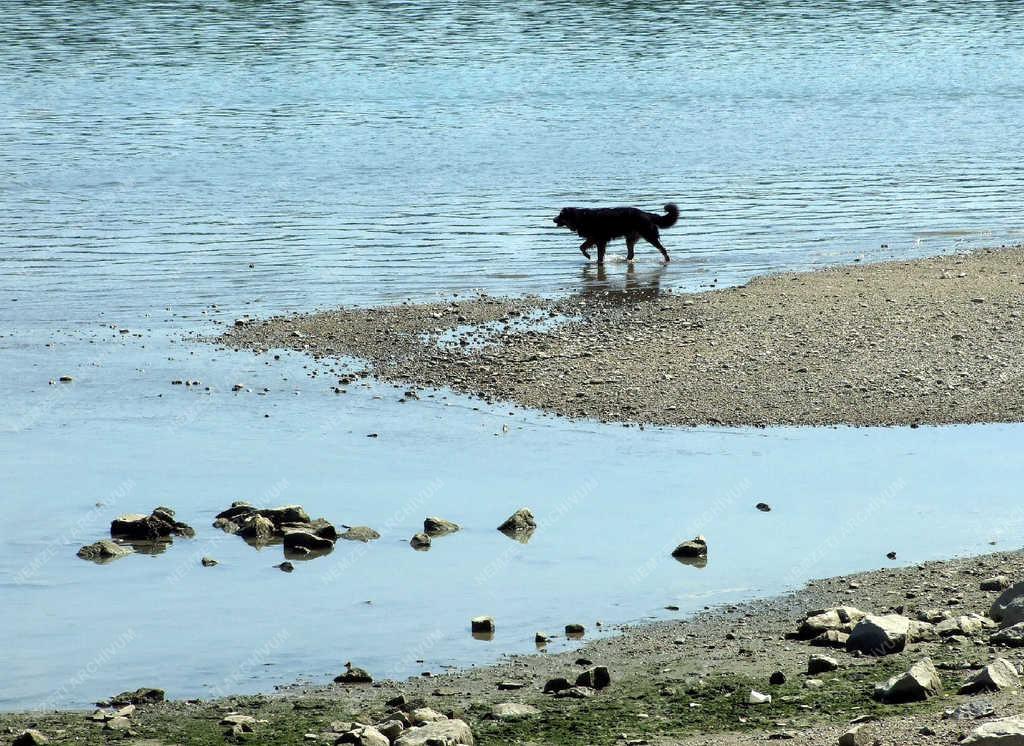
x: 351, y: 154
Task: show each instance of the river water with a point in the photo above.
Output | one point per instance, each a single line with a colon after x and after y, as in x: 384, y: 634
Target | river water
x: 163, y: 168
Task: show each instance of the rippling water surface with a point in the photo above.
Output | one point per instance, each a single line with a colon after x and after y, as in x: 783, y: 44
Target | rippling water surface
x: 157, y: 158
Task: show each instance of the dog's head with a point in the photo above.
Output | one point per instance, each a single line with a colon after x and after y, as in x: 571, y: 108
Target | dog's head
x: 566, y: 218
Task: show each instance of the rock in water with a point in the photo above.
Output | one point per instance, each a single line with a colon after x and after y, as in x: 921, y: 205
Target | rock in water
x: 420, y: 542
x: 695, y: 547
x: 306, y: 540
x: 481, y: 624
x: 575, y: 630
x: 208, y: 562
x: 519, y: 526
x: 433, y: 526
x: 285, y: 567
x: 360, y: 533
x: 103, y: 551
x: 763, y: 507
x: 879, y: 635
x: 158, y: 525
x: 439, y: 733
x: 1008, y: 609
x: 1003, y: 732
x: 353, y: 675
x: 919, y: 683
x: 998, y: 675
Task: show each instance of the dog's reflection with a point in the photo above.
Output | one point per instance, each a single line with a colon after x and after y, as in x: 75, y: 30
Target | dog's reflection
x: 646, y: 285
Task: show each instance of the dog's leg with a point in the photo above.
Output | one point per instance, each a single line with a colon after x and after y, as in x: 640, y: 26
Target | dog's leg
x: 651, y: 237
x: 586, y: 245
x: 600, y: 251
x: 630, y: 243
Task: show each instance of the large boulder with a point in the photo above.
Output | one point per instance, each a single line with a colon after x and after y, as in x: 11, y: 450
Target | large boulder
x: 1003, y: 732
x: 879, y: 635
x: 919, y: 683
x: 998, y: 675
x: 596, y: 678
x: 1008, y: 608
x: 439, y: 733
x: 838, y: 618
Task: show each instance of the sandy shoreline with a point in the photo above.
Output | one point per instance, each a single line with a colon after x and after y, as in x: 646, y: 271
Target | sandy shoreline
x: 928, y: 341
x: 678, y: 682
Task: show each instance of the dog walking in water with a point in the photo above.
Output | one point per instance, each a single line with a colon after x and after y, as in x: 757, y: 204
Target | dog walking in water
x: 600, y: 225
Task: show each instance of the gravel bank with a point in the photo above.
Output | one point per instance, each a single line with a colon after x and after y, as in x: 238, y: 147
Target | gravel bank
x: 680, y: 682
x: 929, y: 341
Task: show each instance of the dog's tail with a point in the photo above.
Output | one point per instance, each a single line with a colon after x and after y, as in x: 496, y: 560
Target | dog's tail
x: 669, y: 218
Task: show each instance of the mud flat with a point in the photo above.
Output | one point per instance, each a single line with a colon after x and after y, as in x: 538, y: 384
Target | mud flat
x: 679, y: 682
x: 929, y: 341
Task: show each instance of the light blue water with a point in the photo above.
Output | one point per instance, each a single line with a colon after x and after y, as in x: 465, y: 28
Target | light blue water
x: 149, y: 154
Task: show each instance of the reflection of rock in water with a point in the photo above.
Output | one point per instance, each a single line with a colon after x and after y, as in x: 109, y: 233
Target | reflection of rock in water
x: 699, y: 562
x: 485, y: 636
x: 150, y: 547
x: 523, y: 536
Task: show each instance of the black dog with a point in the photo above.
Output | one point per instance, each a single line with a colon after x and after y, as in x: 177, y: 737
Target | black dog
x: 600, y: 225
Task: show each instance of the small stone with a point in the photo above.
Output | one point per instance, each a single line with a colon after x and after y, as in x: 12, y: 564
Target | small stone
x: 777, y: 678
x: 541, y: 639
x: 522, y: 521
x: 857, y: 735
x: 208, y: 562
x: 509, y: 686
x: 574, y: 629
x: 813, y: 683
x: 420, y: 541
x: 353, y: 675
x: 285, y: 567
x: 359, y: 533
x: 103, y: 551
x: 970, y: 711
x: 763, y: 507
x: 821, y: 664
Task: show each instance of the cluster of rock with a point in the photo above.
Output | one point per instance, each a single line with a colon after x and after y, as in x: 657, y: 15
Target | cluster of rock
x: 136, y: 532
x: 404, y: 726
x: 862, y: 633
x: 585, y: 685
x: 289, y: 525
x: 116, y: 720
x: 433, y: 527
x: 142, y: 696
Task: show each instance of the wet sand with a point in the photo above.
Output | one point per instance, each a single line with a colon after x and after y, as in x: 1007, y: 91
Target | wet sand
x: 929, y: 341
